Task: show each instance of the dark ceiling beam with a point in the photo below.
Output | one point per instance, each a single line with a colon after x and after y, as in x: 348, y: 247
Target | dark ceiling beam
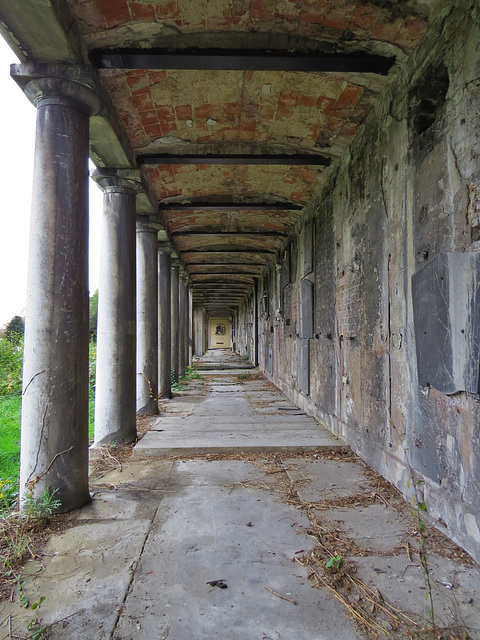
x: 225, y: 264
x: 238, y: 293
x: 240, y: 60
x: 236, y: 287
x: 228, y: 251
x: 236, y: 206
x: 235, y: 158
x: 211, y: 282
x: 221, y: 274
x: 267, y: 234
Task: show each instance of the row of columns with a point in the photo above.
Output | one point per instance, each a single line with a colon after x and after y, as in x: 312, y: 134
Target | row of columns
x: 142, y: 332
x: 162, y: 319
x: 142, y: 328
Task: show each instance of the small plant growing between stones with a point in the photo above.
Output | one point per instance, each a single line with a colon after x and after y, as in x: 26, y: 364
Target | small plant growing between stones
x: 43, y: 505
x: 191, y: 373
x: 35, y: 628
x: 335, y: 564
x: 419, y: 507
x: 18, y: 528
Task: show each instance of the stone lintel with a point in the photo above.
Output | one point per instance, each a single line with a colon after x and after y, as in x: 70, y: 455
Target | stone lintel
x: 46, y: 83
x: 118, y: 180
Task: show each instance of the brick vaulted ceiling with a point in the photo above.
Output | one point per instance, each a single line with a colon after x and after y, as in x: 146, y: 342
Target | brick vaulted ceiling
x: 226, y: 105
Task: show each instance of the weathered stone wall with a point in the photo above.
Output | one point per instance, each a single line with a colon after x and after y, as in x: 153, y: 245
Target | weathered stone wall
x: 408, y: 191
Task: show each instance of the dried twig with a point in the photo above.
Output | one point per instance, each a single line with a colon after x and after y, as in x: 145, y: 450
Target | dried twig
x: 115, y: 459
x: 280, y: 595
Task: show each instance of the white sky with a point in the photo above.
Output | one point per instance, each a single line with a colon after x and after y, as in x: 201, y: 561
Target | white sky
x: 17, y: 141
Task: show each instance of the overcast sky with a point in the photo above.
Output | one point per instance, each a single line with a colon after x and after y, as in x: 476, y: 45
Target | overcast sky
x: 17, y: 140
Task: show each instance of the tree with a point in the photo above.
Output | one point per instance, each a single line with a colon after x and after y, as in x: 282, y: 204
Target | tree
x: 15, y: 329
x: 93, y: 313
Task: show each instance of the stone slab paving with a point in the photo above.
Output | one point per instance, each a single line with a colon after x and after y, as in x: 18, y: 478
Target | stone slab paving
x: 207, y: 532
x: 223, y: 415
x: 318, y: 479
x: 136, y: 562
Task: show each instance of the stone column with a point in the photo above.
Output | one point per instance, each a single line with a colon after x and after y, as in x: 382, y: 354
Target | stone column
x: 115, y: 379
x: 54, y: 437
x: 164, y: 320
x: 198, y: 331
x: 190, y: 325
x: 147, y: 317
x: 175, y: 316
x: 182, y: 322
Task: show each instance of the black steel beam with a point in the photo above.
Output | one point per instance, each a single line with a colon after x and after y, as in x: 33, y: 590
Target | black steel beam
x: 236, y: 158
x: 267, y: 234
x: 225, y: 264
x: 240, y: 60
x: 220, y: 274
x: 242, y: 206
x: 216, y: 285
x: 228, y: 251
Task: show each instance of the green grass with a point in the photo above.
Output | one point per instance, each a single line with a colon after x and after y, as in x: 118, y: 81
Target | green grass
x: 10, y: 413
x: 10, y: 410
x: 91, y: 413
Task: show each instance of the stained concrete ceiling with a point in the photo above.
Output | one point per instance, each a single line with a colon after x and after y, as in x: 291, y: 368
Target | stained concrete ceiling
x: 224, y: 105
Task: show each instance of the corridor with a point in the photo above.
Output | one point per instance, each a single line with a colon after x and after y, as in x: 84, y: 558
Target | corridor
x: 233, y: 409
x: 232, y: 540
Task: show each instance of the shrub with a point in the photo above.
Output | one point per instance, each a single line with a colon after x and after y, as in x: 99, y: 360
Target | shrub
x: 11, y: 363
x: 93, y: 315
x: 92, y: 362
x: 15, y: 329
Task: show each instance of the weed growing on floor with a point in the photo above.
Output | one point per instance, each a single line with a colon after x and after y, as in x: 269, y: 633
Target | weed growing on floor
x: 20, y: 529
x: 191, y: 373
x: 331, y: 563
x: 419, y: 507
x: 34, y: 628
x: 41, y: 506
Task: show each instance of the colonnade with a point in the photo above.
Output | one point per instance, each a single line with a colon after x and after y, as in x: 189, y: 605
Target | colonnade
x: 144, y: 307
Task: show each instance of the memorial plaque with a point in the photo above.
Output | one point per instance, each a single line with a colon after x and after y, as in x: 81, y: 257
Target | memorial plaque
x: 446, y: 312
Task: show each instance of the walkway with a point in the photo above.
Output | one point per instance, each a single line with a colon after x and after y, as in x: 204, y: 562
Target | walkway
x: 233, y: 545
x: 233, y: 409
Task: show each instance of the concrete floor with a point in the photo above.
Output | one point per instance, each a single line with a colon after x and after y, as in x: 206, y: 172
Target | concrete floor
x: 136, y: 562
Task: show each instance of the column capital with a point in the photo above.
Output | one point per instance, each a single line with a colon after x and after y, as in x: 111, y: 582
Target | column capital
x: 165, y: 247
x: 118, y: 180
x: 176, y: 263
x: 150, y: 226
x: 47, y: 84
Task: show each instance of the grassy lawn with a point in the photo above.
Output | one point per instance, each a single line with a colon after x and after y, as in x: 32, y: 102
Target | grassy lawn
x: 10, y: 412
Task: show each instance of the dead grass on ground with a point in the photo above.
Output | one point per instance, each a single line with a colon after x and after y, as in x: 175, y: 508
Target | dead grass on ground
x: 20, y: 536
x: 331, y: 563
